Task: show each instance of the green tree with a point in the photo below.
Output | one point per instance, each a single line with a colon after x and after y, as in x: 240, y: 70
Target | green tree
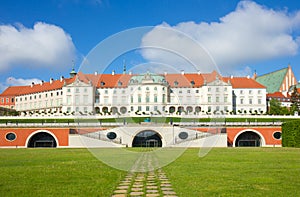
x: 295, y: 100
x: 275, y: 107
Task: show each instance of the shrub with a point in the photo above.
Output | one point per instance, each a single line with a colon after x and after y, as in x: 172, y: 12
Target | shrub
x: 291, y: 134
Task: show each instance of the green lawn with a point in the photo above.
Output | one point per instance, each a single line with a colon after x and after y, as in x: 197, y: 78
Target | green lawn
x: 222, y: 172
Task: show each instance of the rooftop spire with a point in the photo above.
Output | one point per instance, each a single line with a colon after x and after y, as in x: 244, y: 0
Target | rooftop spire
x: 73, y: 72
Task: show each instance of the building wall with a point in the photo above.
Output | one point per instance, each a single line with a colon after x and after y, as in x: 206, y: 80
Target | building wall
x: 23, y: 135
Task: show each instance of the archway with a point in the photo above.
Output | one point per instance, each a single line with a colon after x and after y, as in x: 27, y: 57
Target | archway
x: 42, y: 140
x: 172, y: 109
x: 147, y: 138
x: 248, y: 138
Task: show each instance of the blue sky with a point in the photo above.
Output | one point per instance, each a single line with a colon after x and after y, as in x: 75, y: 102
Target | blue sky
x: 42, y: 39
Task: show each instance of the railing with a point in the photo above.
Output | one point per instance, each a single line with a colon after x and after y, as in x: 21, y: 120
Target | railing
x: 208, y: 124
x: 71, y: 124
x: 193, y: 137
x: 101, y: 136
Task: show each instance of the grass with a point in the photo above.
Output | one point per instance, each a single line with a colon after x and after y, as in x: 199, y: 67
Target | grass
x: 222, y: 172
x: 237, y: 172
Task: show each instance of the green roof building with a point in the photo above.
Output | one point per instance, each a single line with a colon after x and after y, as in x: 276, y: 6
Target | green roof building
x: 278, y: 81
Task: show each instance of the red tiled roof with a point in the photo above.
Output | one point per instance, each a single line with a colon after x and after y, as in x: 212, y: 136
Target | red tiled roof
x: 277, y: 95
x: 243, y: 82
x: 184, y: 80
x: 30, y: 89
x: 12, y: 91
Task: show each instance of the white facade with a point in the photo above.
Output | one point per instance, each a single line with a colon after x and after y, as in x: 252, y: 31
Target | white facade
x: 144, y: 94
x: 249, y: 100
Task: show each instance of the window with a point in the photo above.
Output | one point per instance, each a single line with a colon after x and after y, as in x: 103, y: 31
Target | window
x: 77, y: 109
x: 225, y: 99
x: 250, y: 91
x: 155, y: 98
x: 147, y: 108
x: 131, y: 108
x: 51, y: 94
x: 68, y: 100
x: 76, y: 99
x: 242, y: 101
x: 217, y: 99
x: 123, y: 91
x: 188, y: 91
x: 209, y: 99
x: 40, y: 96
x: 139, y: 98
x: 241, y: 92
x: 106, y: 91
x: 7, y: 100
x: 30, y: 98
x: 225, y: 108
x: 147, y: 88
x: 250, y: 101
x: 259, y: 91
x: 69, y: 109
x: 131, y: 100
x: 209, y: 109
x: 197, y: 91
x: 163, y: 98
x: 155, y: 88
x: 85, y: 90
x: 155, y: 108
x: 217, y: 89
x: 85, y: 99
x: 175, y: 83
x: 209, y: 89
x: 68, y: 90
x: 225, y: 89
x: 85, y: 109
x: 139, y: 88
x: 46, y: 95
x: 180, y: 91
x: 139, y: 108
x: 259, y: 101
x: 57, y: 93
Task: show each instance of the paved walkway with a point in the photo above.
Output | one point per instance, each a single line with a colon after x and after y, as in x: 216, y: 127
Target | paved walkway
x: 146, y: 184
x: 145, y: 179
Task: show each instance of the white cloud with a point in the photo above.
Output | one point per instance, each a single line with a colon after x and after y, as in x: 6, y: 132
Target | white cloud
x: 44, y: 45
x: 250, y: 33
x: 11, y: 81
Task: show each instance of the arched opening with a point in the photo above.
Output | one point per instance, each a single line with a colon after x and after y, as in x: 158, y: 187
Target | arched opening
x: 114, y: 110
x: 172, y: 109
x: 97, y: 110
x: 147, y: 138
x: 105, y: 109
x: 197, y: 109
x: 123, y: 110
x: 248, y: 138
x: 42, y: 140
x: 189, y: 109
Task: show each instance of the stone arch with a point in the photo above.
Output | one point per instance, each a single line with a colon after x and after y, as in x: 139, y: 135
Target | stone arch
x: 147, y: 138
x: 249, y: 137
x: 42, y: 138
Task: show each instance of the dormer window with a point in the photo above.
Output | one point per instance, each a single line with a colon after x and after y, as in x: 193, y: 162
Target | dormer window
x: 176, y: 83
x: 102, y: 83
x: 119, y: 83
x: 192, y: 83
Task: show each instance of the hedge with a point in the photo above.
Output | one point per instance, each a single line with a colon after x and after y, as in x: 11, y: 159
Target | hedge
x: 291, y: 134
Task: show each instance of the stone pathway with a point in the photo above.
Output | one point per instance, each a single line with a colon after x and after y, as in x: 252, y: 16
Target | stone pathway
x: 145, y: 184
x: 145, y: 180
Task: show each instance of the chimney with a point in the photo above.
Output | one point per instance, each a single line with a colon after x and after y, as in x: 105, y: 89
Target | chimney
x: 248, y: 76
x: 199, y: 72
x: 231, y: 76
x: 96, y: 73
x: 61, y: 78
x: 165, y: 73
x: 32, y: 84
x: 113, y: 72
x: 182, y: 72
x: 130, y: 73
x: 42, y: 82
x: 51, y: 80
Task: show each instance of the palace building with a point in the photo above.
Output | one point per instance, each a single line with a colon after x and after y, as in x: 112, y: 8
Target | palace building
x: 134, y: 94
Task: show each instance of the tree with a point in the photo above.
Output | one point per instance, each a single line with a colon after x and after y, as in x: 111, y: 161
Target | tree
x: 275, y: 107
x: 295, y: 100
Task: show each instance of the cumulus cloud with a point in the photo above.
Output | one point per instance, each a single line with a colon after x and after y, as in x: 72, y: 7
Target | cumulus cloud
x: 250, y: 33
x: 44, y: 45
x: 12, y: 81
